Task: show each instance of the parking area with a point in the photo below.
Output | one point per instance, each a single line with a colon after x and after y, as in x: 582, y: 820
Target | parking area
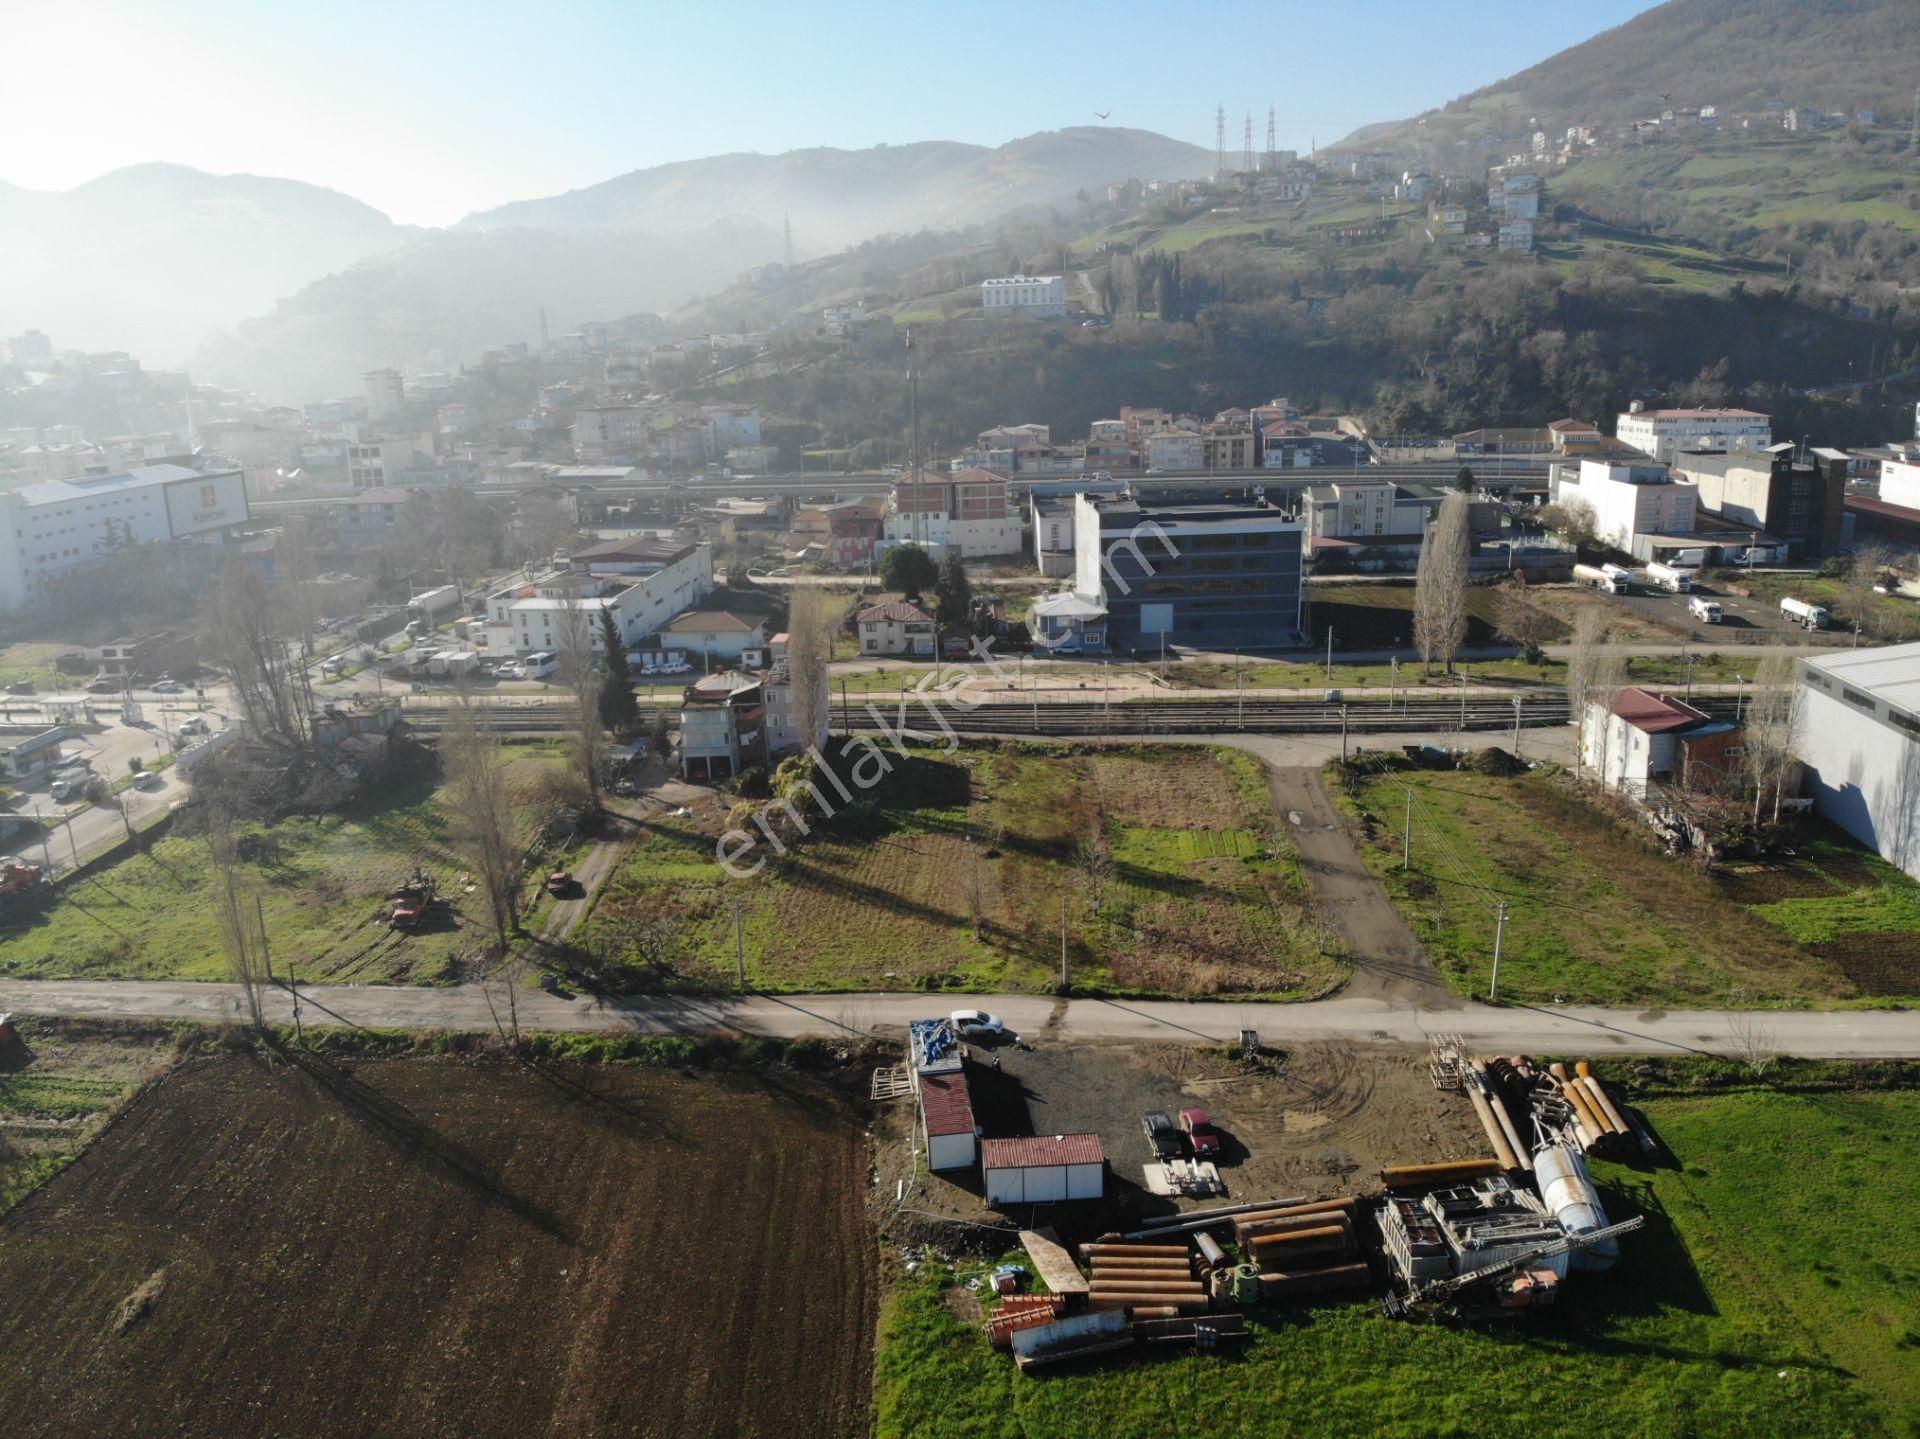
x: 1742, y: 621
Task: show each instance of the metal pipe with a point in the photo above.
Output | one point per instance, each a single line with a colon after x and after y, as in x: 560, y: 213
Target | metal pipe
x: 1499, y: 1107
x: 1400, y: 1176
x: 1182, y: 1302
x: 1212, y: 1256
x: 1344, y: 1203
x: 1291, y: 1226
x: 1314, y: 1281
x: 1614, y: 1116
x: 1173, y: 1223
x: 1501, y: 1149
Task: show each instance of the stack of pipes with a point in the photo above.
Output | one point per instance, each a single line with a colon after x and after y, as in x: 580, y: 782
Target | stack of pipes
x: 1304, y: 1248
x: 1143, y: 1276
x: 1494, y: 1117
x: 1576, y: 1109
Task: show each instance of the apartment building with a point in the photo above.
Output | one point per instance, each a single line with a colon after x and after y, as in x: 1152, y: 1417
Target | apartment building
x: 969, y: 510
x: 1666, y: 433
x: 1041, y: 296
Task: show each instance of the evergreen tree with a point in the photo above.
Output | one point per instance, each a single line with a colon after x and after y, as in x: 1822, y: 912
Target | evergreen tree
x: 953, y: 593
x: 619, y: 710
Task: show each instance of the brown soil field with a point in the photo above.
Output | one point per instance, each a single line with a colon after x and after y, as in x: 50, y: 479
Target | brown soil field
x: 298, y: 1246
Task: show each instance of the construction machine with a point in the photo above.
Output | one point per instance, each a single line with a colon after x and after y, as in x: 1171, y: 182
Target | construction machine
x: 1520, y: 1281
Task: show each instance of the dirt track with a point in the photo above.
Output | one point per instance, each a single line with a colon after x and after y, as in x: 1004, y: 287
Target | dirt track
x: 443, y: 1248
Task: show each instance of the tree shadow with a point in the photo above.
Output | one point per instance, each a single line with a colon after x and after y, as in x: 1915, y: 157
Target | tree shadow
x: 415, y: 1139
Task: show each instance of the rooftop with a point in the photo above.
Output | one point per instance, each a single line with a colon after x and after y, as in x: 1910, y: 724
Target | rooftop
x: 1041, y: 1149
x: 90, y: 487
x: 638, y: 549
x: 1652, y: 713
x: 1888, y: 672
x: 898, y: 611
x: 709, y: 622
x: 1694, y: 415
x: 946, y: 1102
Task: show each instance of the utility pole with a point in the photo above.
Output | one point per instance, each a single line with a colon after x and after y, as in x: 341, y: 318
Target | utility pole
x: 1063, y: 944
x: 1406, y: 834
x: 1516, y: 726
x: 1329, y: 654
x: 1499, y: 933
x: 1343, y: 734
x: 1463, y: 702
x: 739, y: 946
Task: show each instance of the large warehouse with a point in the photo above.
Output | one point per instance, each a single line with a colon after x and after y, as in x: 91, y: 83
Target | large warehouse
x: 63, y: 525
x: 1858, y: 734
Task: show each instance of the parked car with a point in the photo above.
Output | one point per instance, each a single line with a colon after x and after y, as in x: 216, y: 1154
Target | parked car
x: 976, y: 1024
x: 168, y: 687
x: 104, y: 687
x: 1198, y: 1127
x: 195, y: 724
x: 561, y: 884
x: 21, y: 687
x: 147, y: 779
x: 1167, y: 1141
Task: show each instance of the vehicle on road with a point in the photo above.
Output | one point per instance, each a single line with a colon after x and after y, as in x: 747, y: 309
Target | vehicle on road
x: 1597, y: 578
x: 1807, y: 616
x: 1622, y: 576
x: 21, y: 687
x: 168, y: 687
x: 64, y: 789
x: 1197, y: 1125
x: 976, y: 1024
x: 195, y: 724
x: 1167, y: 1140
x: 561, y: 884
x: 104, y: 687
x: 147, y: 779
x: 1705, y: 610
x: 1670, y: 578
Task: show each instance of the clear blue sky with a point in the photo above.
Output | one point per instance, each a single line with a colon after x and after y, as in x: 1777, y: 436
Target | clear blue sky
x: 431, y: 110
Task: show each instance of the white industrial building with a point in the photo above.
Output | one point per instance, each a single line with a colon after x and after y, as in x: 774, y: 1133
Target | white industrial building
x: 1666, y: 433
x: 536, y: 615
x: 64, y: 525
x: 1627, y: 499
x: 1858, y: 735
x: 1042, y: 296
x: 1045, y: 1169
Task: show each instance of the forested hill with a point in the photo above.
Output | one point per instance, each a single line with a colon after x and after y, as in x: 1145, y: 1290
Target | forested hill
x: 1737, y: 55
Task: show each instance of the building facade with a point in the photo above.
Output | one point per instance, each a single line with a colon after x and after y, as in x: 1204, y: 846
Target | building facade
x: 1217, y: 576
x: 1666, y: 433
x: 970, y: 510
x: 1858, y: 735
x: 1800, y: 501
x: 1627, y: 499
x: 1041, y: 296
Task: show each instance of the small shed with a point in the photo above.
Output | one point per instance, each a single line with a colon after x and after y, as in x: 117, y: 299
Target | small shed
x: 946, y: 1112
x: 1044, y: 1169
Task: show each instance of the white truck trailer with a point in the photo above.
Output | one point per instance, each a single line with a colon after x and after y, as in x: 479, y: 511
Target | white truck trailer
x: 1599, y: 578
x: 1807, y: 616
x: 1671, y: 578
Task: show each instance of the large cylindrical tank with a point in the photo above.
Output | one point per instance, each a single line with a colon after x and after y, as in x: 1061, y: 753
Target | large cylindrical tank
x: 1574, y: 1203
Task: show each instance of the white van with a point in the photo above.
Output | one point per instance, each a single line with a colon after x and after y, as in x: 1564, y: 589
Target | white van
x: 1705, y: 610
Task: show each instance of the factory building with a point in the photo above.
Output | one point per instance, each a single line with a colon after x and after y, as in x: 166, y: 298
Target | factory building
x: 1858, y: 734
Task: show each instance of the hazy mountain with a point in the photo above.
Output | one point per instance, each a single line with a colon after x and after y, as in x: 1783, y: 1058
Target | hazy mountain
x: 837, y: 197
x: 1736, y: 54
x: 151, y: 258
x: 458, y: 292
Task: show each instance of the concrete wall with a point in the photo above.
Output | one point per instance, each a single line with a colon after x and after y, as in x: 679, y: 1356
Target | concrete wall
x: 1863, y: 775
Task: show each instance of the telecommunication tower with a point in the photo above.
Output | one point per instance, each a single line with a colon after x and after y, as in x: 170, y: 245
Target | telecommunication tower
x: 1273, y: 150
x: 1246, y: 147
x: 1219, y: 141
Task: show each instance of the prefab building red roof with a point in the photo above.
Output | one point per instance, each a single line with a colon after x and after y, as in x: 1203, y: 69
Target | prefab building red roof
x: 1655, y: 714
x: 1041, y: 1150
x: 946, y: 1103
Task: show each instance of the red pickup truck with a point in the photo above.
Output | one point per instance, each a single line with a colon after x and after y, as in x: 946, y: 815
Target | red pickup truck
x: 1198, y: 1127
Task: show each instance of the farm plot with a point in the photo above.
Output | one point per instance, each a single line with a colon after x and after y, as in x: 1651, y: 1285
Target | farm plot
x: 958, y: 870
x: 1598, y: 914
x: 302, y: 1247
x: 322, y: 884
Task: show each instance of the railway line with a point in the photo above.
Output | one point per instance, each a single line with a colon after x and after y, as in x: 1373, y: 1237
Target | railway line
x: 1130, y: 717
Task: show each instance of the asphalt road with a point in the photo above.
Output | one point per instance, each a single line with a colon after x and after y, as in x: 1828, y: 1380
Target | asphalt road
x: 1874, y: 1034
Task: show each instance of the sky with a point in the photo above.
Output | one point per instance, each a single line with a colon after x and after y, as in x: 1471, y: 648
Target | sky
x: 430, y: 111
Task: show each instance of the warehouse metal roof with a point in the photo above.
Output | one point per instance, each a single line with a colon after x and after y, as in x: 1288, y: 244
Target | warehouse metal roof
x: 947, y: 1103
x: 1888, y: 672
x: 1042, y: 1149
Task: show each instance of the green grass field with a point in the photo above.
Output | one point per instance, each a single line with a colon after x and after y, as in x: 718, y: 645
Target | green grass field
x: 1598, y: 915
x: 322, y: 883
x: 956, y: 875
x: 1771, y: 1293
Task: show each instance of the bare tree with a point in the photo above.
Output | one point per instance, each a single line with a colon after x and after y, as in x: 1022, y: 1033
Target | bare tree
x: 244, y: 628
x: 1606, y: 677
x: 1773, y: 731
x: 575, y: 668
x: 1440, y: 585
x: 1573, y: 518
x: 1588, y: 644
x: 1095, y: 857
x: 236, y: 907
x: 1865, y: 572
x: 1519, y: 621
x: 811, y: 617
x: 482, y: 807
x: 1754, y: 1042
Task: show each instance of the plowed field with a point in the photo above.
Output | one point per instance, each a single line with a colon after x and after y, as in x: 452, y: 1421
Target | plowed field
x: 419, y: 1247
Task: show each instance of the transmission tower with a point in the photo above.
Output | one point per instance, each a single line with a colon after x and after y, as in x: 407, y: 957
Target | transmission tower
x: 1219, y: 141
x: 1273, y: 150
x: 1246, y: 166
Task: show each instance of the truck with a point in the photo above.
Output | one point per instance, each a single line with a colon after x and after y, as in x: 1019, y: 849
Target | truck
x: 1705, y: 610
x: 1599, y: 579
x: 1807, y: 616
x: 1622, y: 576
x: 1670, y: 578
x: 430, y: 606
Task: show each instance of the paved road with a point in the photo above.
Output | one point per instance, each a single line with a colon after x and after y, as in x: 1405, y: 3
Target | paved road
x: 1821, y: 1034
